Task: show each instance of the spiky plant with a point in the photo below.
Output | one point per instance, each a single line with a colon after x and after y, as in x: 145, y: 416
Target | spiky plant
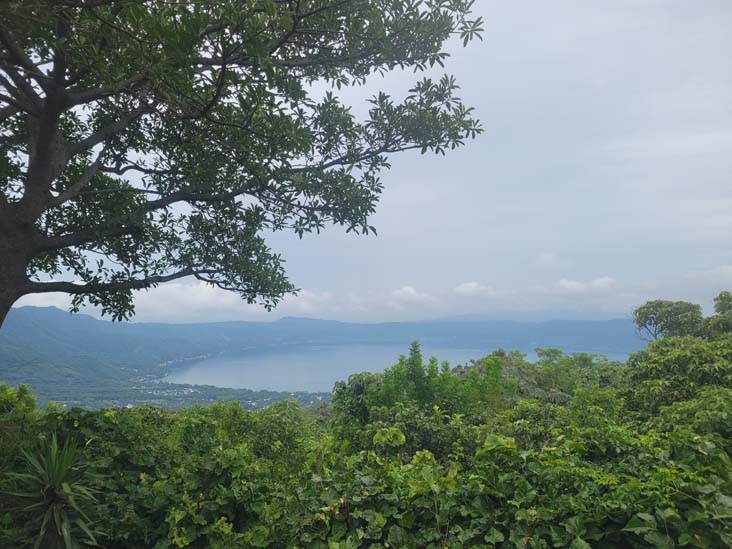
x: 53, y: 492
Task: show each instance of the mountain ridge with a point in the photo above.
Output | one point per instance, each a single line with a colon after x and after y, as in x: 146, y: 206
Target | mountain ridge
x: 58, y: 352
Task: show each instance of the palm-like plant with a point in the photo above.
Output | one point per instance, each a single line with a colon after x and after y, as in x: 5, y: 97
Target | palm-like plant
x: 53, y: 495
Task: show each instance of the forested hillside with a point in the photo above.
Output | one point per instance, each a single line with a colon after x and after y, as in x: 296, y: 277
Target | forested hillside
x: 570, y: 451
x: 82, y: 361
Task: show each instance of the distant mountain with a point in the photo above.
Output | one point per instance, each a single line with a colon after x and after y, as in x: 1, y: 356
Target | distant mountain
x: 49, y: 347
x: 528, y: 316
x: 57, y: 333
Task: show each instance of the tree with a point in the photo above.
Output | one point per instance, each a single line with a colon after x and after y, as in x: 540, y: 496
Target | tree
x: 146, y: 141
x: 661, y: 318
x: 720, y: 325
x: 723, y: 303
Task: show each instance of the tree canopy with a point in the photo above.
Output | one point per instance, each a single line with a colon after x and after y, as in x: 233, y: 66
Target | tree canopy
x: 723, y: 303
x: 146, y: 141
x: 720, y: 325
x: 662, y: 318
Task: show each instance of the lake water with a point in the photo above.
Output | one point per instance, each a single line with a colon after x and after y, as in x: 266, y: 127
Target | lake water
x: 308, y: 368
x: 302, y: 368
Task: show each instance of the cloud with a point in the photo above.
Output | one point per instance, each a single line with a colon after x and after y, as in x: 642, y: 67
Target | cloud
x: 408, y: 294
x: 183, y: 301
x: 589, y: 297
x: 199, y: 302
x: 577, y: 287
x: 474, y: 289
x: 180, y: 301
x: 308, y: 303
x: 202, y: 302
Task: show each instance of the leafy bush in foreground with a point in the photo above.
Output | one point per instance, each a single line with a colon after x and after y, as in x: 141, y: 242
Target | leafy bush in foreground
x: 568, y: 452
x: 53, y: 491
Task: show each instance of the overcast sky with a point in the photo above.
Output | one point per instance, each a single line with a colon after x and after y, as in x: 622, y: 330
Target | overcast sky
x: 603, y: 179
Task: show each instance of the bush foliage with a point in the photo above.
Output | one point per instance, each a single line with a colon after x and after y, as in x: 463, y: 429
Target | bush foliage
x: 570, y: 451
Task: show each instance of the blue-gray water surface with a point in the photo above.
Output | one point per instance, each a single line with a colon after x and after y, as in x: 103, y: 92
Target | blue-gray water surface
x: 305, y: 368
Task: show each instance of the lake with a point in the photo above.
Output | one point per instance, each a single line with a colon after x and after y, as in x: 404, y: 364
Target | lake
x: 305, y: 368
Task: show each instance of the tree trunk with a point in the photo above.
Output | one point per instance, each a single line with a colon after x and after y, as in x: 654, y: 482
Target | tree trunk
x: 15, y: 254
x: 12, y: 280
x: 6, y: 302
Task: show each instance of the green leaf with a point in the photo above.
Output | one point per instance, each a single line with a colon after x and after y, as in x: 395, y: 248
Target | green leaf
x: 641, y: 523
x: 494, y: 536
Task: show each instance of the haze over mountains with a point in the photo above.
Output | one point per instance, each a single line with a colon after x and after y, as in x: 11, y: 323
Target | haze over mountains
x: 54, y: 333
x: 54, y: 351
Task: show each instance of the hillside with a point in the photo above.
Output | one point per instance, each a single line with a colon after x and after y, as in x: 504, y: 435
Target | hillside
x: 83, y: 360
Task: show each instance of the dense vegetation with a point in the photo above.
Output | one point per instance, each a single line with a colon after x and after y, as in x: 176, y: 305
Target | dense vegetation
x: 571, y: 451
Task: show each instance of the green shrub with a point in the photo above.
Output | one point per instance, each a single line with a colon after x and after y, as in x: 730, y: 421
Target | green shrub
x: 676, y: 369
x: 53, y: 495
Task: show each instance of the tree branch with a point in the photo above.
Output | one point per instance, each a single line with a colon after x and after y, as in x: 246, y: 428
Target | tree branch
x: 132, y: 190
x: 84, y: 236
x: 29, y: 103
x: 20, y: 57
x: 58, y: 70
x: 78, y: 97
x: 83, y: 181
x: 121, y: 170
x: 11, y: 109
x: 103, y: 287
x: 185, y: 195
x: 90, y: 3
x: 106, y: 132
x: 211, y: 103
